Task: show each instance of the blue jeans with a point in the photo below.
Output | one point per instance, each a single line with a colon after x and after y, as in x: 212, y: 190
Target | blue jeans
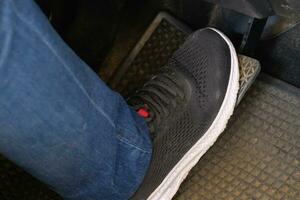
x: 58, y: 120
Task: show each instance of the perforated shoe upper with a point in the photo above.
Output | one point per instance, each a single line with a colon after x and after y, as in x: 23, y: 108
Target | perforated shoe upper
x: 200, y: 70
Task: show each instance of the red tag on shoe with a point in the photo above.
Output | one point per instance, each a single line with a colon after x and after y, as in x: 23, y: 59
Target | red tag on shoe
x: 143, y: 113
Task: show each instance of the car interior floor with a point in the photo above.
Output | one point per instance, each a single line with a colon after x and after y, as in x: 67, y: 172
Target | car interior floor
x: 258, y: 155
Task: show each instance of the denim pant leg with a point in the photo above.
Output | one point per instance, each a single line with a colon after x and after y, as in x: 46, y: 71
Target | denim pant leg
x: 58, y: 120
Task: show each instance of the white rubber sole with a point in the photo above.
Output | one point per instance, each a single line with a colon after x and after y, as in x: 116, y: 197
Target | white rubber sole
x: 167, y: 189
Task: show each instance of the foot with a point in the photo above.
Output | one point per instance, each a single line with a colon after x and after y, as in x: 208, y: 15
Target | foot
x: 187, y: 107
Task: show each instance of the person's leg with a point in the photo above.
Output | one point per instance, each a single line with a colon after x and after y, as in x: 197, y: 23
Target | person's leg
x: 58, y: 120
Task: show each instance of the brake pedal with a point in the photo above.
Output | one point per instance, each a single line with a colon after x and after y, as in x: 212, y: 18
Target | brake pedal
x: 162, y: 38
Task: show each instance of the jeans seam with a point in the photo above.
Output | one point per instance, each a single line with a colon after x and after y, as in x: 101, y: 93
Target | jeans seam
x: 127, y: 142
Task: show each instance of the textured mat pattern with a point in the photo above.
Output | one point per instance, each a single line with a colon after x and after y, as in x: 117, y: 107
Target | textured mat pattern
x: 142, y: 63
x: 258, y: 156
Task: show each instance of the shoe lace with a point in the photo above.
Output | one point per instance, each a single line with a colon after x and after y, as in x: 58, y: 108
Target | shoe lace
x: 157, y: 97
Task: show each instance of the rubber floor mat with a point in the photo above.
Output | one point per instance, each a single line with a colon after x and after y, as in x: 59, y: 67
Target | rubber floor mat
x: 258, y: 156
x: 160, y: 40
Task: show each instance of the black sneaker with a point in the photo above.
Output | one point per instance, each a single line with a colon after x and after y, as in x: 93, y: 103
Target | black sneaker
x: 187, y: 107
